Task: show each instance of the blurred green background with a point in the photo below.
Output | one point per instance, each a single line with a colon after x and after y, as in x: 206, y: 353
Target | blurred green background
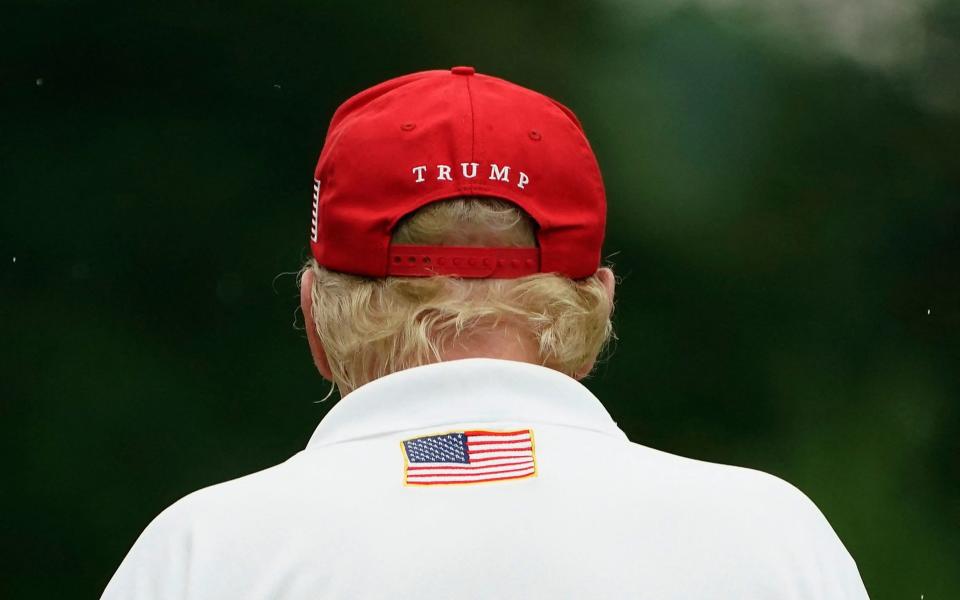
x: 784, y: 189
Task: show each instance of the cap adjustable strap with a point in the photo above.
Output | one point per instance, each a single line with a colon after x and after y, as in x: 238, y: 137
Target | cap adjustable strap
x: 463, y: 261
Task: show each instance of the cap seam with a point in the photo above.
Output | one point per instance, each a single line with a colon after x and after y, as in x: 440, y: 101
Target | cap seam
x: 473, y: 124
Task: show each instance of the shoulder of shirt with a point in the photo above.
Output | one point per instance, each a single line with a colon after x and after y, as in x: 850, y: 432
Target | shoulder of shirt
x: 763, y: 509
x: 718, y: 494
x: 771, y: 519
x: 160, y: 557
x: 729, y: 483
x: 718, y: 484
x: 223, y: 500
x: 767, y: 514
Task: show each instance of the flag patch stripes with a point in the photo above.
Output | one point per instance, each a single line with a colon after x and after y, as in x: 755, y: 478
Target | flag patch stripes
x: 473, y: 456
x: 315, y: 211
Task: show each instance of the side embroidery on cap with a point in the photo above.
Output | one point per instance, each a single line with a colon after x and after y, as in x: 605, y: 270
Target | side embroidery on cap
x: 316, y: 209
x: 464, y: 457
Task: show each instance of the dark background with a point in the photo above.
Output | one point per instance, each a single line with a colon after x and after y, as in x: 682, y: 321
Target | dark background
x: 784, y: 209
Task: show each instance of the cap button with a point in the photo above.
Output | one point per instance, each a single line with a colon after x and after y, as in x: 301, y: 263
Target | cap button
x: 463, y: 70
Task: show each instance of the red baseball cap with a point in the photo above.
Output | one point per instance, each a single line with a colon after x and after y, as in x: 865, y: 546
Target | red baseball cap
x: 437, y: 135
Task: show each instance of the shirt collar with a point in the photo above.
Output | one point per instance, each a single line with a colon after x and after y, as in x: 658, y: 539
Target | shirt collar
x: 471, y: 390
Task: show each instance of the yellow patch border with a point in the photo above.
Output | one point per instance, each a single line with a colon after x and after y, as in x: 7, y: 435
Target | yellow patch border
x: 406, y: 460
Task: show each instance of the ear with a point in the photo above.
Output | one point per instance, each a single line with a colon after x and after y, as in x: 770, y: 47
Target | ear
x: 609, y: 282
x: 606, y: 277
x: 313, y: 338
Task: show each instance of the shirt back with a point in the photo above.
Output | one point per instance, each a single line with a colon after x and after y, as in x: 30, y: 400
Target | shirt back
x: 406, y: 490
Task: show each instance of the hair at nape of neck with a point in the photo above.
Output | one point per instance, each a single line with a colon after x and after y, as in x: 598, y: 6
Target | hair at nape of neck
x: 371, y: 327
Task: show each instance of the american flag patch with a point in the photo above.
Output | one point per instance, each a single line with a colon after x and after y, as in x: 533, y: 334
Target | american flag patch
x: 469, y: 457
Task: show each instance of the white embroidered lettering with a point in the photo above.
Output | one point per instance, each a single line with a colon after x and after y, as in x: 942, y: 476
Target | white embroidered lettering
x: 473, y: 172
x: 500, y: 174
x: 524, y: 180
x: 469, y: 170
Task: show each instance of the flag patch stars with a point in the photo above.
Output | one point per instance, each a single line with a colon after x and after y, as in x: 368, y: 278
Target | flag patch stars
x: 475, y: 456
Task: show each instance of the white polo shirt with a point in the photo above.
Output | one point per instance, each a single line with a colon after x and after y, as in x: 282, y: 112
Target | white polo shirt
x: 484, y: 478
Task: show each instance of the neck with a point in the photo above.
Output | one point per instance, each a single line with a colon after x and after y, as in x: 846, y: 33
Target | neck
x: 507, y: 343
x: 503, y: 342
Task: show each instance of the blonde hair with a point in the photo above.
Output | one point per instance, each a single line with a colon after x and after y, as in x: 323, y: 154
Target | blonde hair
x: 371, y: 327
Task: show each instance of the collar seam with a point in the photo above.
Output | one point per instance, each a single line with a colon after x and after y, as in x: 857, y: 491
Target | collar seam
x: 614, y: 431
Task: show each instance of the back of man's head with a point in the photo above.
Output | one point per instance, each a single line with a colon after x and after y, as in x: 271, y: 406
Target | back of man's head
x: 370, y: 327
x: 455, y: 215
